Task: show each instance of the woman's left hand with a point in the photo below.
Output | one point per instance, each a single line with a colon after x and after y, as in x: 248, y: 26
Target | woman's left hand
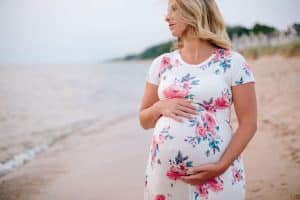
x: 202, y: 173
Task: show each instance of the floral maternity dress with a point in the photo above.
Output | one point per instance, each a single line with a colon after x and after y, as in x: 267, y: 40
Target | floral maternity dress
x: 176, y: 146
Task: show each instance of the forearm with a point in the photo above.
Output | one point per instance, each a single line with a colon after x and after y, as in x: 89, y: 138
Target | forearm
x: 241, y: 138
x: 149, y: 116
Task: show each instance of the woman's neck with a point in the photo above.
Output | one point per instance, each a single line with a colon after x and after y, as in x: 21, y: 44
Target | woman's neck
x: 195, y: 50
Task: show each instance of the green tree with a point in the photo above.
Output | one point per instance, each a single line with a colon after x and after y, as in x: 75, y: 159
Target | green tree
x: 297, y: 28
x: 264, y: 29
x: 156, y: 50
x: 237, y: 30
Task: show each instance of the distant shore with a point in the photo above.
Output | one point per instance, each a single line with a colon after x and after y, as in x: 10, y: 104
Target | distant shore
x: 290, y: 49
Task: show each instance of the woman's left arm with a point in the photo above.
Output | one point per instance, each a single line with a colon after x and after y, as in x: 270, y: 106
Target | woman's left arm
x: 245, y: 105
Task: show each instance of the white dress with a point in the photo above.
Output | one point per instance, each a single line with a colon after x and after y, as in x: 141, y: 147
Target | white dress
x: 177, y: 146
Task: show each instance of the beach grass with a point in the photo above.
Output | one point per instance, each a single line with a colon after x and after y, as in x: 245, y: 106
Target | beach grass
x: 290, y: 49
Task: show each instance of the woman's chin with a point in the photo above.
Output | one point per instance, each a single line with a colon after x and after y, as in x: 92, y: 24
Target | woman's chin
x: 174, y: 34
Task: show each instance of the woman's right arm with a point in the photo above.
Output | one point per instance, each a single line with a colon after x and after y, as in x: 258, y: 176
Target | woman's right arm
x: 149, y: 110
x: 152, y: 108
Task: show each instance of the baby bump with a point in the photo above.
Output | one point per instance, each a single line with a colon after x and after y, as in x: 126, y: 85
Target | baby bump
x: 189, y: 143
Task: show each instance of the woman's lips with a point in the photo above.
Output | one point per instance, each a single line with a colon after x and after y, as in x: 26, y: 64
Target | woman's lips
x: 171, y: 26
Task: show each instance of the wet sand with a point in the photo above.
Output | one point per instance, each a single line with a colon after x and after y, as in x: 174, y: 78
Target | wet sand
x: 109, y: 162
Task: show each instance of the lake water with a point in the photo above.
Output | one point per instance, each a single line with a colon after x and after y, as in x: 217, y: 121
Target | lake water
x: 40, y: 104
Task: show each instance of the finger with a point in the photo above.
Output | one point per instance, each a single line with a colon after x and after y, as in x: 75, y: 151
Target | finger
x: 183, y: 114
x: 192, y: 177
x: 187, y: 103
x: 187, y: 109
x: 176, y: 118
x: 201, y: 168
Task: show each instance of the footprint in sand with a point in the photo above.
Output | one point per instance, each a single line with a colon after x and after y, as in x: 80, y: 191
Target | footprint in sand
x: 296, y: 197
x: 256, y: 189
x: 283, y: 184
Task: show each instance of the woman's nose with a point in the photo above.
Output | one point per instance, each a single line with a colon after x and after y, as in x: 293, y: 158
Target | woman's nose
x: 167, y: 18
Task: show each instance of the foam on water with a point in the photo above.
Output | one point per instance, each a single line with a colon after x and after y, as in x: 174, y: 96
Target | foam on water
x: 20, y: 159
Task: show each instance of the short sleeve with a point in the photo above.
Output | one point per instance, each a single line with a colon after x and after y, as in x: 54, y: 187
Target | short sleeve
x: 153, y: 71
x: 241, y: 72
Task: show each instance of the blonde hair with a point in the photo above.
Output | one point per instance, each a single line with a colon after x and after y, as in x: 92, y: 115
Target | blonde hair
x: 205, y: 20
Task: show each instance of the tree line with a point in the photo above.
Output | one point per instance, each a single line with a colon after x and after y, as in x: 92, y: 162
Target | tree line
x: 233, y: 31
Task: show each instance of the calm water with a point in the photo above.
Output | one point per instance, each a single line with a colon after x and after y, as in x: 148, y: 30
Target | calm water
x: 41, y: 104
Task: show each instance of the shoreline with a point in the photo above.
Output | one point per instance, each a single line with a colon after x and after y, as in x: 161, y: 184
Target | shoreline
x: 22, y: 158
x: 96, y: 164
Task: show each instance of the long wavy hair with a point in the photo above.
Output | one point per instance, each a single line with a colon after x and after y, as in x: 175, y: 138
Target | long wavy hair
x: 205, y: 21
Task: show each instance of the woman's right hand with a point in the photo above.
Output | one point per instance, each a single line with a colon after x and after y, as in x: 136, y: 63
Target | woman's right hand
x: 176, y: 108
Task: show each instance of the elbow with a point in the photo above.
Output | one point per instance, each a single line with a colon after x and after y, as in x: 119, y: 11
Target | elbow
x: 251, y: 126
x: 254, y: 128
x: 143, y: 124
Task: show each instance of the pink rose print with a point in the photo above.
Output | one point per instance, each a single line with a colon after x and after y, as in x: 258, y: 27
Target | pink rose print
x: 237, y: 171
x: 223, y: 57
x: 210, y: 120
x: 164, y: 65
x: 177, y: 63
x: 176, y: 90
x: 202, y: 191
x: 178, y: 166
x: 222, y: 102
x: 236, y: 174
x: 201, y: 131
x: 180, y: 88
x: 247, y: 66
x: 221, y: 53
x: 163, y: 136
x: 156, y: 140
x: 165, y: 62
x: 215, y: 185
x: 208, y: 105
x: 205, y: 130
x: 205, y: 124
x: 176, y: 171
x: 160, y: 139
x: 247, y: 72
x: 159, y: 197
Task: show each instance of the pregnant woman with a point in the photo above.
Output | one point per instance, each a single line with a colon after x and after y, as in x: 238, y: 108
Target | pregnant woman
x: 194, y: 152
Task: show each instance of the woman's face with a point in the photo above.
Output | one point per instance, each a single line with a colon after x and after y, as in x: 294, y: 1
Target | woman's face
x: 174, y: 19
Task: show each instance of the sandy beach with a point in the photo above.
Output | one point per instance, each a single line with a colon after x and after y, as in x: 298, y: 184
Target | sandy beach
x: 109, y: 162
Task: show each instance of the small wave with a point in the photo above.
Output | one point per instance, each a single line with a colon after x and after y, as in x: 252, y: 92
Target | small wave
x: 20, y: 159
x: 83, y: 126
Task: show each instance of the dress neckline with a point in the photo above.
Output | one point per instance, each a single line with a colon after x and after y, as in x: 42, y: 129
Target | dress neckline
x: 204, y: 62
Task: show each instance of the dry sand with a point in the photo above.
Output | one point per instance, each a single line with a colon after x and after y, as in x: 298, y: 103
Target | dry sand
x: 109, y: 162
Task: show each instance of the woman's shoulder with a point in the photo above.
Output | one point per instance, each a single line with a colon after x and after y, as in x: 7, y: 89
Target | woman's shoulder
x: 236, y: 55
x: 228, y: 53
x: 163, y: 59
x: 233, y: 57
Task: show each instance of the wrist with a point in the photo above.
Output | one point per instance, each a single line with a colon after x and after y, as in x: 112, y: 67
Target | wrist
x: 223, y: 166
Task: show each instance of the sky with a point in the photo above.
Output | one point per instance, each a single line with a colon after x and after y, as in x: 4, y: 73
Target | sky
x: 90, y: 31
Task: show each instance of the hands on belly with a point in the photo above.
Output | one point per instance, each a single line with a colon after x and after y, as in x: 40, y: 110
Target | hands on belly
x: 176, y: 108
